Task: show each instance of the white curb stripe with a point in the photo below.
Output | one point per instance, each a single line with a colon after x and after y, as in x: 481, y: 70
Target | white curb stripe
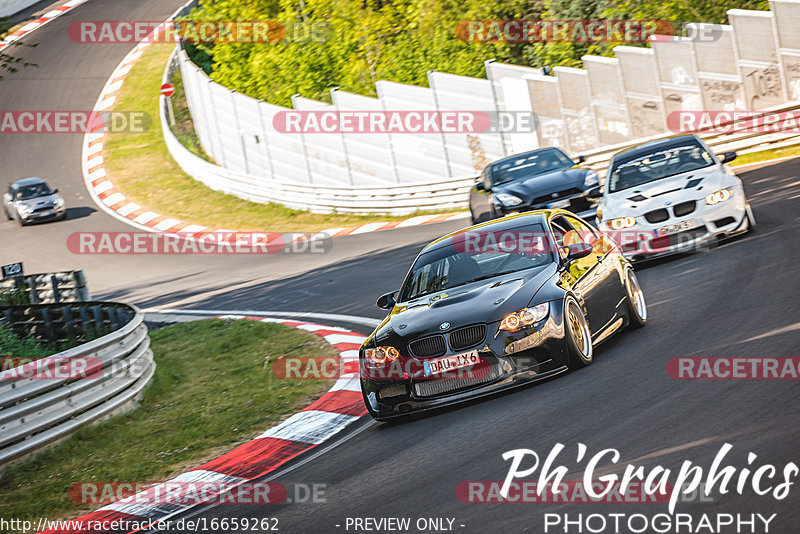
x: 311, y: 426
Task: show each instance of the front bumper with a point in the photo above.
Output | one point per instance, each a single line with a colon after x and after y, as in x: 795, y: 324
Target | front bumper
x: 706, y: 225
x: 508, y: 359
x: 41, y: 216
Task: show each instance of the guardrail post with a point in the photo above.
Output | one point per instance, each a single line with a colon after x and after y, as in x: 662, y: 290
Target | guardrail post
x: 33, y: 292
x: 56, y: 292
x: 66, y: 314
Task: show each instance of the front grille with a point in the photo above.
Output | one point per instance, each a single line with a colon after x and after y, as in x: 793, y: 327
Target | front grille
x: 45, y: 208
x: 657, y: 216
x: 428, y: 347
x: 466, y: 337
x: 684, y: 208
x: 558, y: 195
x: 440, y: 386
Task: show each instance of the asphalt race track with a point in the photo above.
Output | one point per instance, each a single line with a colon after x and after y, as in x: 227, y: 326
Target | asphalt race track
x: 739, y: 299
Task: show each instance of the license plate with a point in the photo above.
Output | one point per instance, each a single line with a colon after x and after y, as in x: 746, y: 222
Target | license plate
x: 450, y: 363
x: 559, y: 204
x: 676, y: 228
x: 45, y: 213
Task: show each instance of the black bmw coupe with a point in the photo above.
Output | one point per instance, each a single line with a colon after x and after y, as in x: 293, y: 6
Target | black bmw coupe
x: 539, y: 179
x: 497, y: 305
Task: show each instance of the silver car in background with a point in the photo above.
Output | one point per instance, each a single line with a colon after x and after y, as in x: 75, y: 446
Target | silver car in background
x: 32, y: 200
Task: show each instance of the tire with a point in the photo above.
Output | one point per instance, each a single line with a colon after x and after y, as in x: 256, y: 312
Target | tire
x: 577, y: 335
x: 751, y: 220
x: 637, y: 307
x: 8, y: 215
x: 472, y: 216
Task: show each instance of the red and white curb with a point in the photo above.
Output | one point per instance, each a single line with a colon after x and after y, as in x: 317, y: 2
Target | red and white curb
x: 303, y: 431
x: 35, y: 24
x: 105, y: 194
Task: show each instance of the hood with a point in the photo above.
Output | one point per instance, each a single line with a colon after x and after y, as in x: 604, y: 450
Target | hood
x: 690, y: 185
x: 39, y: 202
x: 543, y: 184
x: 485, y: 301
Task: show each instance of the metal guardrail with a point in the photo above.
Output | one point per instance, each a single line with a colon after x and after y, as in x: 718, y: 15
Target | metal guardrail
x: 446, y: 194
x: 66, y: 286
x: 36, y: 410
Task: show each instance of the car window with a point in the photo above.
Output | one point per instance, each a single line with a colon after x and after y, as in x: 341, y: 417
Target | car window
x: 470, y: 260
x: 585, y: 230
x: 33, y: 191
x: 659, y: 163
x: 527, y: 165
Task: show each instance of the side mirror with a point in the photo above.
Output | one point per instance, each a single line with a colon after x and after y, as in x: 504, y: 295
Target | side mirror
x: 387, y: 301
x: 578, y: 250
x: 55, y: 191
x: 581, y: 159
x: 594, y: 192
x: 480, y: 186
x: 728, y: 156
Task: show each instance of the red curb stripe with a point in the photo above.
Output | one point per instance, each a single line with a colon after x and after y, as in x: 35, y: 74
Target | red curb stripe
x: 95, y: 168
x: 106, y: 194
x: 341, y: 347
x: 256, y: 457
x: 342, y: 401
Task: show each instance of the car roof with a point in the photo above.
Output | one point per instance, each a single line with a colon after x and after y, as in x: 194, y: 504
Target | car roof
x: 28, y: 181
x: 498, y: 225
x: 658, y: 143
x: 523, y: 154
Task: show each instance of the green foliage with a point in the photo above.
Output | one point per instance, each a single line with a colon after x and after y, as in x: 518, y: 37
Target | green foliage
x: 353, y: 45
x: 400, y: 40
x: 12, y: 346
x: 11, y: 296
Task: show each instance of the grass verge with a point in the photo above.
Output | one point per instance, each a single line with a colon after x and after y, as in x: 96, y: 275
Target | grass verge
x: 766, y: 155
x: 142, y: 168
x: 213, y: 389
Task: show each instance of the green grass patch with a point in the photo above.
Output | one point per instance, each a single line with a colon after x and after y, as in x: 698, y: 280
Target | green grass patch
x: 766, y: 155
x: 213, y: 389
x: 142, y: 168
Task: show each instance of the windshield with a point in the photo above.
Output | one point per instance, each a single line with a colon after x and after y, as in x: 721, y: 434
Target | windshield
x: 527, y: 165
x: 33, y: 191
x: 661, y: 163
x: 477, y: 255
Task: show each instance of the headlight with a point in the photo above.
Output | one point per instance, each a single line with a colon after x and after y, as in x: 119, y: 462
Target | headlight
x: 621, y: 223
x: 508, y: 200
x: 25, y: 209
x: 59, y: 203
x: 525, y: 317
x: 720, y: 196
x: 380, y: 356
x: 591, y: 179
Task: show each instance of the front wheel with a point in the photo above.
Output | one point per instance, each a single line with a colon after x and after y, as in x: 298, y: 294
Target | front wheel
x: 637, y: 308
x: 578, y: 336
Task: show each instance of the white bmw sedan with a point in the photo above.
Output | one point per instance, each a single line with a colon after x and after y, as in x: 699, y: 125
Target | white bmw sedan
x: 672, y: 195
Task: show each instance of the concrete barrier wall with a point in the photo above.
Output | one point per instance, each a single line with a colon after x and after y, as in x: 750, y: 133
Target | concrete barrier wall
x: 752, y: 64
